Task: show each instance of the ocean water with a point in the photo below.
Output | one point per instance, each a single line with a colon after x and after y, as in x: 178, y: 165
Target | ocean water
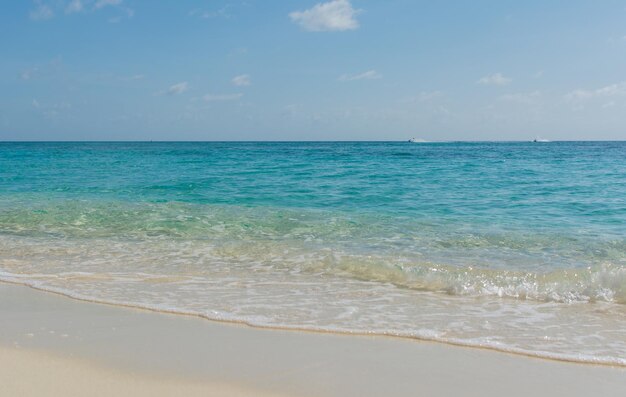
x: 512, y: 246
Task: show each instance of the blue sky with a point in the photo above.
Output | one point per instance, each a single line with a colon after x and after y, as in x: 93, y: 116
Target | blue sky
x: 312, y: 70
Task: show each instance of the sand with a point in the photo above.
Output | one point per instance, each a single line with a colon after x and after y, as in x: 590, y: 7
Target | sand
x: 55, y: 346
x: 27, y: 373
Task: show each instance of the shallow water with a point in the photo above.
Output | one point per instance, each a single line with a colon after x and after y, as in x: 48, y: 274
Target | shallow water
x: 514, y: 246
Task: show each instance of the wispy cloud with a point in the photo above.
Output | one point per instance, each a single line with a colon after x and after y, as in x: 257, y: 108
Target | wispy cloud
x: 221, y: 97
x: 177, y: 89
x: 28, y: 74
x: 51, y: 111
x: 242, y: 80
x: 369, y: 75
x: 42, y: 70
x: 612, y: 90
x: 335, y: 15
x: 608, y: 105
x: 41, y: 12
x: 48, y: 9
x: 494, y: 79
x: 74, y: 6
x: 220, y: 13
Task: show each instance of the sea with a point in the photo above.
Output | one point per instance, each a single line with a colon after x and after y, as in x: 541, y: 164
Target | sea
x: 512, y: 246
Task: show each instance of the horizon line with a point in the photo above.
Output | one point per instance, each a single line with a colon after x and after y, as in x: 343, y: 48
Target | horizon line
x: 308, y: 141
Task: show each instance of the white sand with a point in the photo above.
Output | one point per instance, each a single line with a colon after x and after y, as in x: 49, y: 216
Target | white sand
x: 27, y: 373
x: 54, y: 346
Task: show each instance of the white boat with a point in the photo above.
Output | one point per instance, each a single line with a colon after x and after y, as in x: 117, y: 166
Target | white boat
x: 417, y: 140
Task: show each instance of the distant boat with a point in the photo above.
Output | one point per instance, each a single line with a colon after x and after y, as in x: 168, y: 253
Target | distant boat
x: 539, y: 140
x: 417, y: 140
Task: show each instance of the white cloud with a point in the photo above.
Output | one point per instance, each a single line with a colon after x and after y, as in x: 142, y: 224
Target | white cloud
x: 178, y: 88
x: 494, y: 79
x: 74, y: 6
x: 221, y: 97
x: 335, y: 15
x: 241, y: 80
x: 41, y: 12
x: 369, y: 75
x: 612, y: 90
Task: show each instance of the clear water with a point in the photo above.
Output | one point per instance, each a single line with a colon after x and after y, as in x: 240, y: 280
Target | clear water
x: 514, y: 246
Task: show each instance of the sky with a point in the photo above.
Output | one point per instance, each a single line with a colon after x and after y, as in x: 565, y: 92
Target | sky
x: 312, y: 70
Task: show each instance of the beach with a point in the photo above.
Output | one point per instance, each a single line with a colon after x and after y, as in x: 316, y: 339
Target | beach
x: 312, y: 198
x: 52, y: 345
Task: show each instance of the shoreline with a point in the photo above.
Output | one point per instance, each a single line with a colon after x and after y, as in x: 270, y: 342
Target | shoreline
x: 447, y: 342
x: 97, y: 340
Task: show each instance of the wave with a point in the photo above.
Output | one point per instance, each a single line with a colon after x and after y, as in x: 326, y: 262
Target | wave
x: 463, y: 267
x: 591, y: 284
x: 421, y: 334
x: 281, y: 284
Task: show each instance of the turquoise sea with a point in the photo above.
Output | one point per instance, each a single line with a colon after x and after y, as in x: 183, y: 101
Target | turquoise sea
x: 512, y: 246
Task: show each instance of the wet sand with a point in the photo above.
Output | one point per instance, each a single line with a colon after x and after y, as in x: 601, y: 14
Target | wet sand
x: 55, y: 346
